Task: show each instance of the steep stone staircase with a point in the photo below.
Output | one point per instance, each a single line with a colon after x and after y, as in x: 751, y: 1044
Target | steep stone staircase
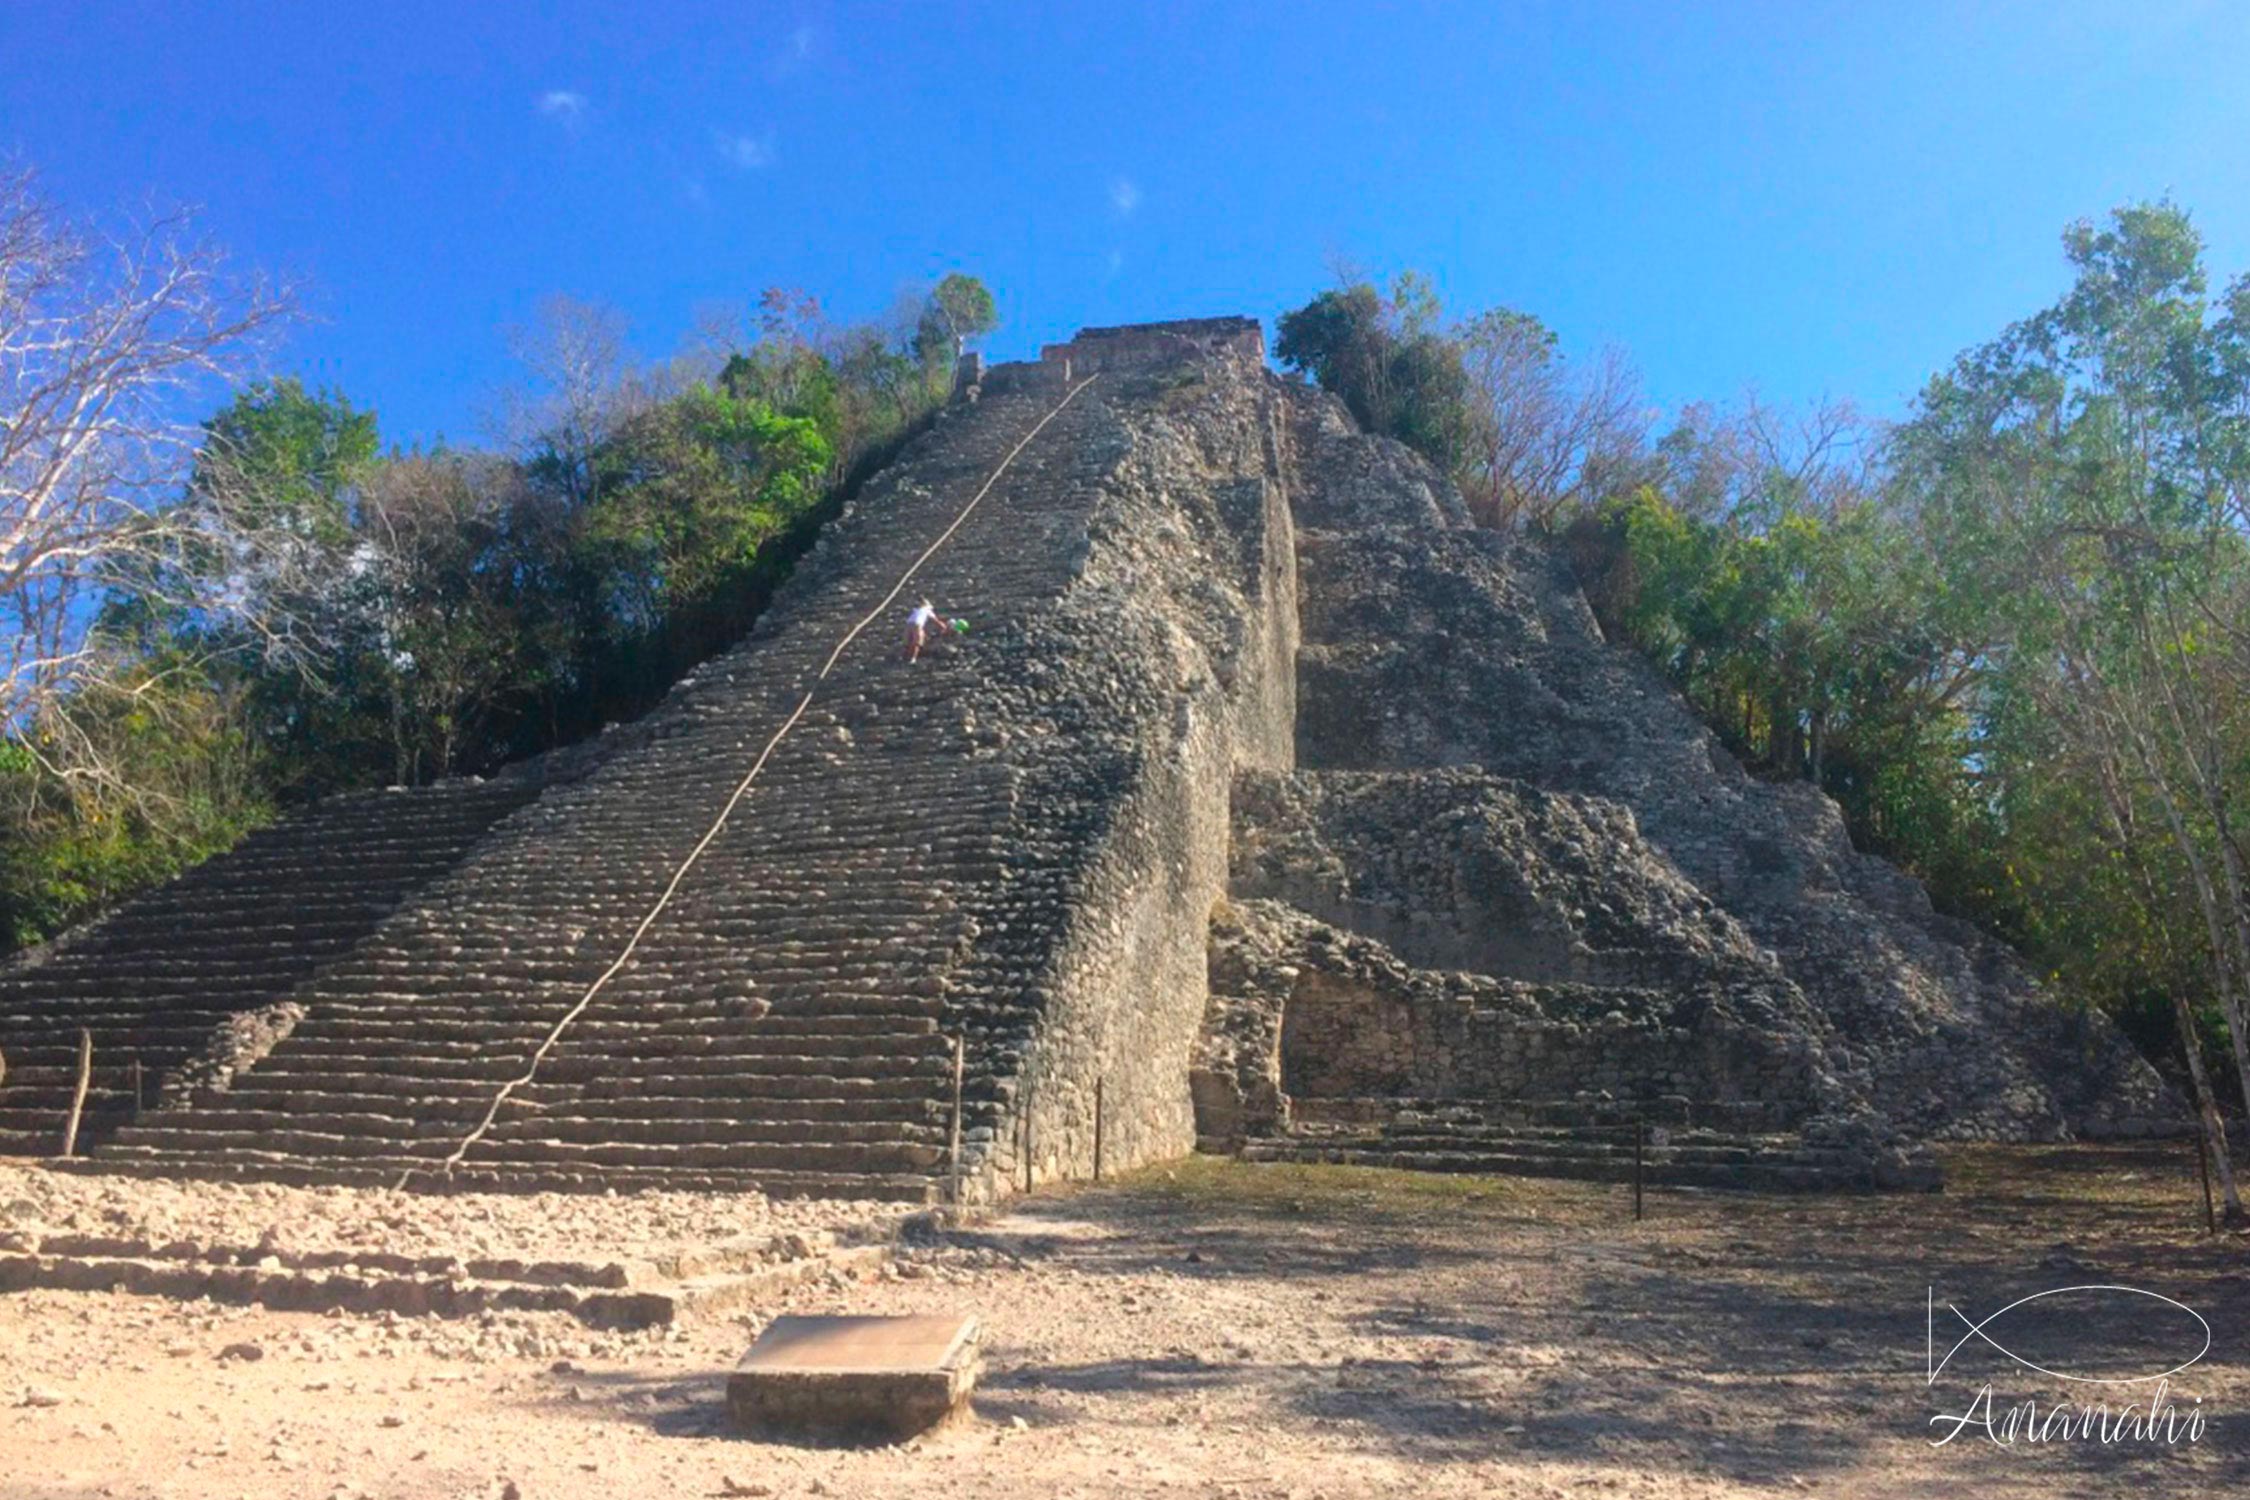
x: 152, y: 981
x: 782, y: 1024
x: 1681, y: 1144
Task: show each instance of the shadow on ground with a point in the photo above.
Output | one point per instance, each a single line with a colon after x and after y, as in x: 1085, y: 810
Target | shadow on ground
x: 1745, y: 1339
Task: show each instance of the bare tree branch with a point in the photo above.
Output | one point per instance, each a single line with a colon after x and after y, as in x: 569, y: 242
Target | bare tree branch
x: 105, y: 339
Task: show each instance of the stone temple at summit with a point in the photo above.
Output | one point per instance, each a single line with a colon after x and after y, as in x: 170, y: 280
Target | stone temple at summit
x: 1268, y: 805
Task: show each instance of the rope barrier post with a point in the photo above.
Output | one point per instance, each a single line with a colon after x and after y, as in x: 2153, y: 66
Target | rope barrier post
x: 133, y: 1068
x: 1027, y: 1143
x: 1640, y: 1131
x: 1097, y: 1129
x: 78, y: 1094
x: 953, y: 1148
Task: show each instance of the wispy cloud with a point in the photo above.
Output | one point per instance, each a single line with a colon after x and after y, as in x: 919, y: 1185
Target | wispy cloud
x: 563, y: 106
x: 795, y: 52
x: 1124, y: 196
x: 745, y: 153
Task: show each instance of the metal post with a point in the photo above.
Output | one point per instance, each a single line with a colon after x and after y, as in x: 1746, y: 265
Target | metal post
x: 1639, y: 1132
x: 1097, y: 1130
x: 133, y: 1068
x: 78, y: 1095
x: 953, y: 1148
x: 1027, y: 1139
x: 2203, y: 1168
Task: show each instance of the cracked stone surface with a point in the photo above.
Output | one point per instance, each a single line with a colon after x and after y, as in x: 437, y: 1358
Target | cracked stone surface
x: 1224, y: 649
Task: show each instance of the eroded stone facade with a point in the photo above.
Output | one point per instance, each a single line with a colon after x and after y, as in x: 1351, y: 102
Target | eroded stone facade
x: 1488, y: 794
x: 1264, y: 800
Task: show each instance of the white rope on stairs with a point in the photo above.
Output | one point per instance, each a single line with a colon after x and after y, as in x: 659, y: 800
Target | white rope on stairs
x: 742, y: 788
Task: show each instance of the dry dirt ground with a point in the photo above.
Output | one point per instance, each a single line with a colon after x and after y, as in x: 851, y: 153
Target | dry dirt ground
x: 1219, y: 1330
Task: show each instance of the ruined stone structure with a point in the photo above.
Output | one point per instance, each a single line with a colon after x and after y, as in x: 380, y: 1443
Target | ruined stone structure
x: 1266, y: 803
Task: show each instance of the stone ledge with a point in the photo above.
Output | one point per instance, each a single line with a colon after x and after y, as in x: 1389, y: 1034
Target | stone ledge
x: 855, y: 1378
x: 612, y: 1295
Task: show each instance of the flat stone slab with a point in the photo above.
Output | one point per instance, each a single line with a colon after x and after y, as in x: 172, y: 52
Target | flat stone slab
x: 855, y: 1378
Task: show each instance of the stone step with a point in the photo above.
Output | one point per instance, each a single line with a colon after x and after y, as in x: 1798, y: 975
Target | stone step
x: 373, y: 1132
x: 344, y: 1142
x: 704, y: 1059
x: 245, y: 1163
x: 1589, y: 1163
x: 858, y: 1097
x: 1665, y: 1112
x: 406, y: 1024
x: 783, y: 1026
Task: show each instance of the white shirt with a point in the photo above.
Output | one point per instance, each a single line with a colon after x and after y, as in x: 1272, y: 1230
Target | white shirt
x: 923, y: 616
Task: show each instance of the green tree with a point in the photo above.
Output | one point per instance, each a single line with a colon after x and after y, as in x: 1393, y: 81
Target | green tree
x: 294, y: 456
x: 2085, y: 471
x: 695, y: 489
x: 958, y: 310
x: 1390, y: 360
x: 180, y: 781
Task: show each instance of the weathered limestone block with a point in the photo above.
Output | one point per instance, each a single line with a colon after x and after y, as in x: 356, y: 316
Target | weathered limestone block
x: 872, y: 1379
x: 1303, y: 1012
x: 1428, y: 644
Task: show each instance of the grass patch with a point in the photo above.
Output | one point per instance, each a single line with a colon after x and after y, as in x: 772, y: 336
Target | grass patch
x: 1291, y: 1188
x: 2139, y: 1173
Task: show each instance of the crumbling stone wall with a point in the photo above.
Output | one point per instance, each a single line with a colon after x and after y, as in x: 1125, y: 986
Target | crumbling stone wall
x: 1459, y: 869
x: 1168, y: 663
x: 1433, y: 644
x: 1220, y: 640
x: 1446, y: 934
x: 1139, y: 345
x: 1011, y: 845
x: 1307, y: 1017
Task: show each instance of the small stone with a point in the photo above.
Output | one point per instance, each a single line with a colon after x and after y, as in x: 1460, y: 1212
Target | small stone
x: 729, y: 1485
x: 245, y: 1351
x: 40, y: 1395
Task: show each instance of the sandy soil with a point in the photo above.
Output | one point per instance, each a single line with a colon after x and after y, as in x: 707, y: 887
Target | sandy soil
x: 555, y: 1226
x: 1217, y: 1330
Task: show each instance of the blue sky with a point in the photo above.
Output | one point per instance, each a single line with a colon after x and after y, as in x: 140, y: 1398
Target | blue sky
x: 1808, y: 198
